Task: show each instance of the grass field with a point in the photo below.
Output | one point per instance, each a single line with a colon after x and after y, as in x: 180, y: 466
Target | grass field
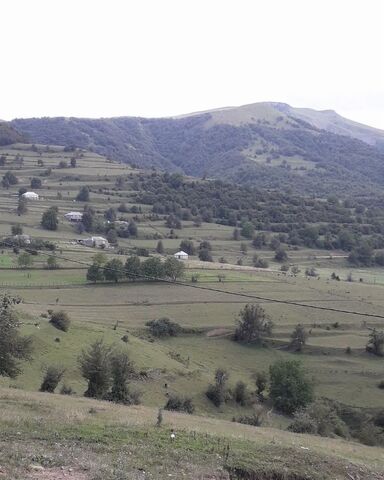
x: 100, y: 441
x: 185, y: 363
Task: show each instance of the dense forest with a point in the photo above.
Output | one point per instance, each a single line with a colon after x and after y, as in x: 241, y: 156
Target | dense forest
x: 9, y: 135
x: 282, y: 152
x: 269, y: 219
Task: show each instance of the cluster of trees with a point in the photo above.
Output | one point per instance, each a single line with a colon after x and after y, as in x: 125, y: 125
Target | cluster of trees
x: 9, y: 179
x: 289, y: 219
x: 134, y: 269
x: 288, y: 386
x: 329, y: 419
x: 108, y: 373
x: 106, y: 224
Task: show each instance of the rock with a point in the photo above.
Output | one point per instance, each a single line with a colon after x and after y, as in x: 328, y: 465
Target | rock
x: 35, y: 468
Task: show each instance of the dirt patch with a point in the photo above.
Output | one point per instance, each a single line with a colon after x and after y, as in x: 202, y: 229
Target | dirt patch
x: 219, y: 332
x: 58, y: 474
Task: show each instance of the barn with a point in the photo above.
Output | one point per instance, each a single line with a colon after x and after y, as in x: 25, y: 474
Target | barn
x: 30, y: 196
x: 74, y: 216
x: 181, y: 255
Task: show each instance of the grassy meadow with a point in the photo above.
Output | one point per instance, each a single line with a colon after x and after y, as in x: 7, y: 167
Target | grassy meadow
x: 186, y: 363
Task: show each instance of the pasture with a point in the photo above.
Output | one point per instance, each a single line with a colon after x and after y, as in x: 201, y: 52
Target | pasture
x: 186, y: 363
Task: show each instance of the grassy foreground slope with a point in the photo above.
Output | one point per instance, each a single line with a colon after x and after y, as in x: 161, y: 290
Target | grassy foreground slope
x: 44, y: 436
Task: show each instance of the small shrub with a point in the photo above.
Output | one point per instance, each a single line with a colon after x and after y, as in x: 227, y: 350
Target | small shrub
x: 241, y: 394
x: 51, y: 379
x: 381, y: 385
x: 348, y: 350
x: 159, y: 418
x: 303, y: 423
x: 180, y: 404
x: 163, y: 327
x: 256, y: 419
x: 216, y: 395
x: 60, y: 320
x: 66, y: 390
x: 125, y: 338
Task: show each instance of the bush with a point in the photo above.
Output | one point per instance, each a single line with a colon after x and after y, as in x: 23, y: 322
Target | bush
x: 256, y: 419
x: 83, y: 195
x: 219, y: 393
x: 240, y: 393
x: 180, y: 404
x: 51, y: 379
x: 381, y: 385
x: 303, y: 423
x: 205, y: 255
x: 319, y: 418
x: 66, y: 390
x: 60, y: 320
x: 216, y: 395
x: 163, y: 327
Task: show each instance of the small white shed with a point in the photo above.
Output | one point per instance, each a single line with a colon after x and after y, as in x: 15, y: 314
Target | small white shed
x: 30, y: 196
x: 181, y: 255
x: 95, y: 242
x: 74, y: 216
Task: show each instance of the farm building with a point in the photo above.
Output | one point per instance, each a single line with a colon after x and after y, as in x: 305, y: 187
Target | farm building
x: 23, y: 239
x: 95, y: 242
x: 181, y: 255
x: 30, y: 196
x: 74, y: 216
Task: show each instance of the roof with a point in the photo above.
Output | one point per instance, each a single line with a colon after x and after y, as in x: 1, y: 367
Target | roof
x: 181, y: 253
x: 73, y: 213
x: 28, y: 194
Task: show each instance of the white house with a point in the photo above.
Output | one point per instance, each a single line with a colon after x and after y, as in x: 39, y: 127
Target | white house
x: 30, y: 196
x: 181, y: 255
x: 95, y: 242
x: 74, y: 216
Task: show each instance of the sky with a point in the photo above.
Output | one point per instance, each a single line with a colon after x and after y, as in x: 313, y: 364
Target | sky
x: 153, y: 58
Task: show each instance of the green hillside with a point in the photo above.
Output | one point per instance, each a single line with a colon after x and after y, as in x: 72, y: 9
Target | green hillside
x: 267, y: 145
x: 206, y: 305
x: 47, y: 436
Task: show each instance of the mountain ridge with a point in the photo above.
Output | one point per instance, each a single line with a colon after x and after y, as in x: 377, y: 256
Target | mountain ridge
x: 266, y: 144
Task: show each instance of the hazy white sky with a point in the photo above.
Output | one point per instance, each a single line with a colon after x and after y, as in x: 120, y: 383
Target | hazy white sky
x: 96, y: 58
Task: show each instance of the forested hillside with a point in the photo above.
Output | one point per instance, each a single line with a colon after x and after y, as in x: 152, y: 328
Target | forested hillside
x: 263, y: 145
x: 9, y: 135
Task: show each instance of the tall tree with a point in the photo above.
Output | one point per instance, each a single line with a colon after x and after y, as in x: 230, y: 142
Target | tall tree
x: 253, y: 324
x: 133, y: 268
x: 83, y: 195
x: 160, y: 247
x: 173, y: 268
x: 122, y: 370
x: 13, y: 347
x: 49, y: 219
x: 114, y: 270
x: 95, y: 366
x: 299, y: 337
x: 289, y: 387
